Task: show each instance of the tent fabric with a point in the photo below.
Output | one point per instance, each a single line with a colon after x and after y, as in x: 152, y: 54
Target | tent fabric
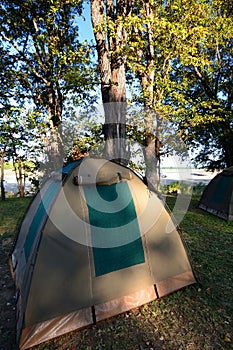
x: 118, y: 256
x: 87, y: 251
x: 217, y: 198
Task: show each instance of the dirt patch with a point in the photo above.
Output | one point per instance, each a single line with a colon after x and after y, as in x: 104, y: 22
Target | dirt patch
x: 7, y: 299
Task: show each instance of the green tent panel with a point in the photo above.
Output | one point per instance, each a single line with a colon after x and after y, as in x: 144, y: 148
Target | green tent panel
x: 91, y: 246
x: 217, y: 198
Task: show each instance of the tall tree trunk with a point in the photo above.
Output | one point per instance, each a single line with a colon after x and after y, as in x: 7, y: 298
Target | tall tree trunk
x: 54, y: 147
x: 21, y: 178
x: 3, y: 192
x: 18, y: 169
x: 112, y: 74
x: 226, y: 143
x: 151, y: 151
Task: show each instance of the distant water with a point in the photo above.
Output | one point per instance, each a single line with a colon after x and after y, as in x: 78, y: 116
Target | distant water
x: 189, y: 176
x: 10, y: 183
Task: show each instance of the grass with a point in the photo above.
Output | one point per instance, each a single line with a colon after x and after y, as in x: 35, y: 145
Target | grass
x: 11, y: 212
x: 194, y: 318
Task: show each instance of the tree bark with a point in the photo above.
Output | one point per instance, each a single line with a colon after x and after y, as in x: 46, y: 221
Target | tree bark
x: 21, y: 179
x: 147, y: 78
x: 3, y: 192
x: 54, y: 148
x: 151, y: 150
x: 112, y: 74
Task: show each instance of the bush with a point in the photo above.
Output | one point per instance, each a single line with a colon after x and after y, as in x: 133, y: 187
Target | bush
x: 179, y: 187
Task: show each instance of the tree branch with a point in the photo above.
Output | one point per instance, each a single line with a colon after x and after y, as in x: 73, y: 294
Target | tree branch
x: 37, y: 74
x: 35, y: 24
x: 205, y: 84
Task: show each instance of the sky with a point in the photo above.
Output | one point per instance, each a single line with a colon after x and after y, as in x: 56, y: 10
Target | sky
x: 86, y: 32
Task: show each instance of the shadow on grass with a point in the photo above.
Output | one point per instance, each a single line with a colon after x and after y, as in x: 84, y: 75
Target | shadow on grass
x: 195, y: 318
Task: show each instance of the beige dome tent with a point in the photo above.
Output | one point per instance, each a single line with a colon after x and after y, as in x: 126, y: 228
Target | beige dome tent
x: 91, y: 246
x: 217, y: 197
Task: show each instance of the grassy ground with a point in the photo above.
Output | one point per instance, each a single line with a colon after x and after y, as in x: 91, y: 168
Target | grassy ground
x: 11, y: 213
x: 195, y: 318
